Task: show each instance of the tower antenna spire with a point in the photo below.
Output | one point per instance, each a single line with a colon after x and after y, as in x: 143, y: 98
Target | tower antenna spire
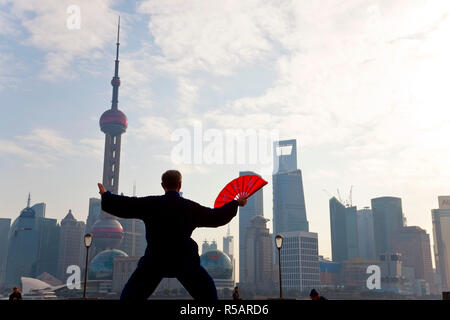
x: 113, y: 123
x: 29, y: 199
x: 118, y: 43
x: 115, y: 82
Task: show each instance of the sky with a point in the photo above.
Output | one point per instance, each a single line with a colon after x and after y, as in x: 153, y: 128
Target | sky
x: 361, y: 85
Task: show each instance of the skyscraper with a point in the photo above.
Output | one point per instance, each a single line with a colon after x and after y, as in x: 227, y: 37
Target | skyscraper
x: 228, y: 249
x: 414, y: 245
x: 254, y: 207
x: 4, y: 231
x: 289, y: 211
x: 366, y: 240
x: 23, y: 244
x: 32, y: 246
x: 441, y: 235
x: 344, y: 231
x: 94, y: 213
x: 71, y: 245
x: 48, y: 247
x: 39, y: 209
x: 228, y: 244
x: 300, y: 261
x: 387, y: 220
x: 258, y: 273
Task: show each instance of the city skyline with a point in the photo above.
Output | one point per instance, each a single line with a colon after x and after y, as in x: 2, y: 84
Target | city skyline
x: 214, y: 243
x: 372, y: 115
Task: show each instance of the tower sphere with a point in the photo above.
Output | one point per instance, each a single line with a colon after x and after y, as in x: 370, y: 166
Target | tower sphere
x: 115, y: 81
x: 107, y: 233
x: 113, y: 121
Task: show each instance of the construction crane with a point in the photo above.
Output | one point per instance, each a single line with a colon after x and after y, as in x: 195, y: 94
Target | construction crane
x: 347, y: 203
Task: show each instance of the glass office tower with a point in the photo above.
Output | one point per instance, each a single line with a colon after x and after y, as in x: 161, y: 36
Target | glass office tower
x: 387, y: 220
x: 254, y: 207
x: 344, y: 231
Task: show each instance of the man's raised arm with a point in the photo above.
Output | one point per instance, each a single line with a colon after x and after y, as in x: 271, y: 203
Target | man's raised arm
x: 207, y: 217
x: 123, y: 206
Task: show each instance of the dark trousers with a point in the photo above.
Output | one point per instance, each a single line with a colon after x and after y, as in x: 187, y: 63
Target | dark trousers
x: 147, y: 276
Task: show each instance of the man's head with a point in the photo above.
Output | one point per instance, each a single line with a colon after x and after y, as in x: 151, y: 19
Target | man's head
x: 236, y: 288
x: 171, y: 180
x: 15, y: 289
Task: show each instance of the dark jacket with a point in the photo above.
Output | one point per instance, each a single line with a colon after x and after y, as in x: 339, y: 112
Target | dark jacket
x: 15, y: 296
x: 169, y: 221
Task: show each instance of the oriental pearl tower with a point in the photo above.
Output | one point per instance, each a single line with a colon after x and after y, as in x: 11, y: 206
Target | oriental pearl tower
x: 113, y: 123
x: 107, y: 231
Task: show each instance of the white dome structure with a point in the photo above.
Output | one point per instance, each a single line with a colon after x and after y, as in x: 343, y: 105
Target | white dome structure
x: 35, y: 289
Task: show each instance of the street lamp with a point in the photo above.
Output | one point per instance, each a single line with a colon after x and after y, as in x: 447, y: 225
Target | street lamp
x: 87, y: 243
x: 279, y: 244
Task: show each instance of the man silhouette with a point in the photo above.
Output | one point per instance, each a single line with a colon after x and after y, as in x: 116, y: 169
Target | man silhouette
x: 171, y: 252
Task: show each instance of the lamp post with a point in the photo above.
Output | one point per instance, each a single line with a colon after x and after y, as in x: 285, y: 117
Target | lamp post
x: 279, y: 244
x: 87, y: 243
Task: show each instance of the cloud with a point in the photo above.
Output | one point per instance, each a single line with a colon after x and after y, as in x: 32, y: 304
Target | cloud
x: 9, y: 147
x: 7, y: 25
x: 9, y: 70
x: 45, y: 24
x: 188, y: 96
x: 155, y: 128
x: 49, y: 139
x: 92, y: 147
x: 30, y: 157
x: 214, y: 37
x: 46, y: 147
x: 425, y: 32
x: 339, y: 79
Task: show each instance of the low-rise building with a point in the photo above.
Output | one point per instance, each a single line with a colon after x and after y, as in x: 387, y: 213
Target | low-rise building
x: 123, y: 268
x: 353, y: 274
x: 329, y: 273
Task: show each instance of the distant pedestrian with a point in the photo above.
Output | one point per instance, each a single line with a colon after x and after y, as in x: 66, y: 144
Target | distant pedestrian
x: 314, y: 295
x: 236, y: 295
x: 15, y: 295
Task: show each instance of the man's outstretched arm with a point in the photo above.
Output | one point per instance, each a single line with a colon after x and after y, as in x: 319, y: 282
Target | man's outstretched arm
x: 122, y: 206
x: 207, y: 217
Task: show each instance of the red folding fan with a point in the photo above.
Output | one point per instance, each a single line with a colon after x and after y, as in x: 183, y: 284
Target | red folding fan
x: 242, y: 187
